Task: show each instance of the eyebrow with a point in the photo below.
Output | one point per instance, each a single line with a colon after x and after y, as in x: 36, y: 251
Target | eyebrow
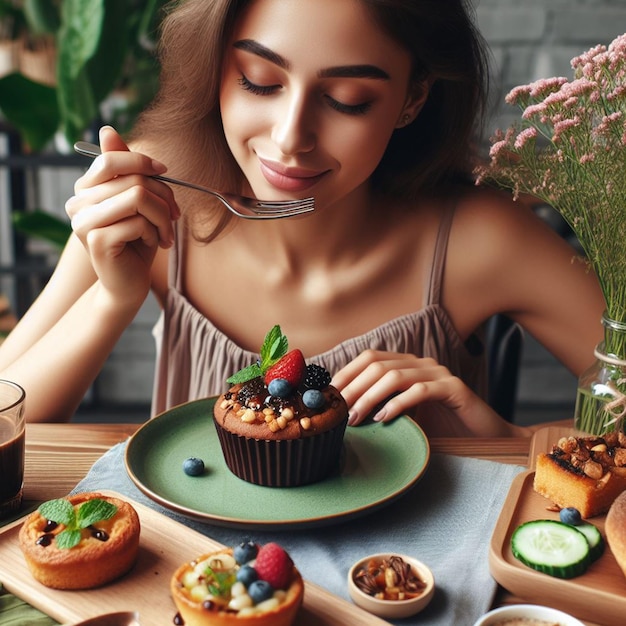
x: 341, y: 71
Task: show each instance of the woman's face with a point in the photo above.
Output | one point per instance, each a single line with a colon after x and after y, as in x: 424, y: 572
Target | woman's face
x: 311, y: 92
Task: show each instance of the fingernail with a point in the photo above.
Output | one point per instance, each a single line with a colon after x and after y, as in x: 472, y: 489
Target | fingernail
x: 380, y: 416
x: 353, y: 416
x: 158, y: 167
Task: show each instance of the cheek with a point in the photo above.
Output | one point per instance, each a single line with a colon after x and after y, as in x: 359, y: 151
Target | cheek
x: 361, y: 152
x: 240, y: 118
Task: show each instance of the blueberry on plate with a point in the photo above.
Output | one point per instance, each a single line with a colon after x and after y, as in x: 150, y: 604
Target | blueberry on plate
x: 570, y: 515
x: 193, y: 466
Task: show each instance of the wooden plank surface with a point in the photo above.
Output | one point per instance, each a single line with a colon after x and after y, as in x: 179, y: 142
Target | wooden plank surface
x: 164, y: 545
x: 60, y: 455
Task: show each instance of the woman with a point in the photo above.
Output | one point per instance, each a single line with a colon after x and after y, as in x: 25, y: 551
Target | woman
x: 369, y: 106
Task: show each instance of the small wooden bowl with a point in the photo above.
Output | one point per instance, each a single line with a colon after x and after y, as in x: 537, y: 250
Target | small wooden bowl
x: 392, y: 608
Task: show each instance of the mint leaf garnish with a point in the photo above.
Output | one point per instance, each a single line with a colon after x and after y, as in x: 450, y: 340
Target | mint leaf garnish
x: 63, y: 512
x: 219, y: 583
x: 94, y: 511
x: 68, y: 539
x: 247, y: 373
x: 59, y: 511
x: 275, y: 346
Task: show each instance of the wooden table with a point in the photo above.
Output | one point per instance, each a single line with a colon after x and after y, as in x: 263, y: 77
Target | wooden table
x: 59, y: 455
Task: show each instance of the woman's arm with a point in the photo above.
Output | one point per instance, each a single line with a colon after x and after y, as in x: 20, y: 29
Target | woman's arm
x: 501, y: 259
x: 60, y: 345
x: 120, y: 217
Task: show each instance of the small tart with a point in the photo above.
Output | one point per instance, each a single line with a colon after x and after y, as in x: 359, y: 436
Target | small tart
x: 198, y: 611
x: 106, y: 550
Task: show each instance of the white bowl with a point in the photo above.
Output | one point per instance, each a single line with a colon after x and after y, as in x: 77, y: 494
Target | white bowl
x: 528, y: 611
x: 392, y: 608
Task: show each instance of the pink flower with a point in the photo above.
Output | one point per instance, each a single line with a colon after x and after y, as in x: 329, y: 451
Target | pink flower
x: 526, y: 135
x: 564, y: 125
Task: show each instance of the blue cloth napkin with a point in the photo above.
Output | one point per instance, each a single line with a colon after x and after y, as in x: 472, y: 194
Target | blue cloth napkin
x: 445, y: 521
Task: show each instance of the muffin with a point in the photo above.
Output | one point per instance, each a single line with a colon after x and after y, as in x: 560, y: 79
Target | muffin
x: 248, y: 584
x: 281, y: 423
x: 80, y: 542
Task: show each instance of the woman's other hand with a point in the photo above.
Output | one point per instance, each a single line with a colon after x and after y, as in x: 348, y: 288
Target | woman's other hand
x: 122, y: 215
x: 392, y: 384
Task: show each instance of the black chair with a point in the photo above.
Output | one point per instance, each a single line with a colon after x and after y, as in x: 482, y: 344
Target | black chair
x: 504, y: 341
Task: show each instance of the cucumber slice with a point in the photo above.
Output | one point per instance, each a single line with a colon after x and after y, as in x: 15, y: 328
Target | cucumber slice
x: 594, y: 539
x: 551, y: 547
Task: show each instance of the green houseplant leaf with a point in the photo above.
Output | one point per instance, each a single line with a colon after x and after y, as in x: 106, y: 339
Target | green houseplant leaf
x: 42, y: 225
x: 79, y: 36
x: 31, y: 107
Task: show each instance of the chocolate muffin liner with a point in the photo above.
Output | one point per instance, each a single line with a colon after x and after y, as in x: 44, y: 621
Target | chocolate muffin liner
x: 282, y: 462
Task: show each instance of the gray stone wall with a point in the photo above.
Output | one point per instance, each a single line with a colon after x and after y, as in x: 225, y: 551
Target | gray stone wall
x: 532, y: 39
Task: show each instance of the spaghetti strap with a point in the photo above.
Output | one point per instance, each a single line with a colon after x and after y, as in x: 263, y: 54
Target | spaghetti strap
x: 433, y: 294
x: 176, y: 255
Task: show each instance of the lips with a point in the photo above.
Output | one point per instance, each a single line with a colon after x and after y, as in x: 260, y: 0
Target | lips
x: 289, y: 178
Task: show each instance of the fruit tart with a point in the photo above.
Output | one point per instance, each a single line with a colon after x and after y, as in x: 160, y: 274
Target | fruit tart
x: 247, y: 584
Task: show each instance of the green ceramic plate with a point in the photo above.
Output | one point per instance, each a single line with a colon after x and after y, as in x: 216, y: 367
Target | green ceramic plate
x: 381, y: 462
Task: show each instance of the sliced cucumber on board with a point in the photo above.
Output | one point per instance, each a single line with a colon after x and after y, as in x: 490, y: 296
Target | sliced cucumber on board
x: 551, y: 547
x: 594, y: 539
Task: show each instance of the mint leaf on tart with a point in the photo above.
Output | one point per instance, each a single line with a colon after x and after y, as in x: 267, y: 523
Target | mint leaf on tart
x: 88, y: 513
x: 275, y: 346
x: 60, y: 511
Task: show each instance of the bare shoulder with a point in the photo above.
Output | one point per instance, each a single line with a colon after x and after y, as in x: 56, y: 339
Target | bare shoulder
x: 492, y: 232
x: 503, y: 258
x: 484, y: 212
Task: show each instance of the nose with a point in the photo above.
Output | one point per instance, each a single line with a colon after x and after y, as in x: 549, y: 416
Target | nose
x: 293, y: 130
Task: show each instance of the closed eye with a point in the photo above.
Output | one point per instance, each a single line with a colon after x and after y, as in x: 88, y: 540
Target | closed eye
x: 259, y: 90
x: 349, y: 109
x: 268, y: 90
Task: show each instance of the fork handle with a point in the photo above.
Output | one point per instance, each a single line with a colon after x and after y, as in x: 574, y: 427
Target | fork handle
x: 92, y: 150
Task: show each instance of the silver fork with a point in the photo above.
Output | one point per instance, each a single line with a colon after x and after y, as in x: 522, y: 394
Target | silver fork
x: 248, y: 208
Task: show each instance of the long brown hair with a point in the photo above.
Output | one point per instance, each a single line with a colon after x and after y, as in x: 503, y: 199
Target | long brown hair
x: 446, y: 49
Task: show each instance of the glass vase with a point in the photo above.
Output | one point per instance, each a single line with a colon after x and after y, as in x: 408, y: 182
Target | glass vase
x: 601, y: 394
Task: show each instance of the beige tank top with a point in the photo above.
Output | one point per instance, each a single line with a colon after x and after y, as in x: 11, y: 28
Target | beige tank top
x: 194, y: 358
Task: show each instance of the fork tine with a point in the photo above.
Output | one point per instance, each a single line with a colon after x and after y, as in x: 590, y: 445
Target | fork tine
x: 278, y: 213
x: 308, y: 204
x: 284, y: 204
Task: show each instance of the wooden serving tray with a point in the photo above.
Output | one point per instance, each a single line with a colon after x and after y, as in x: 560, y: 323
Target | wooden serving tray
x: 599, y: 595
x: 163, y: 546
